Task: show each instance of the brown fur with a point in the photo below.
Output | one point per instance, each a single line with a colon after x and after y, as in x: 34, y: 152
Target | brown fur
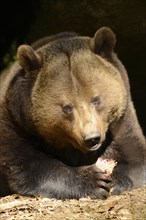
x: 59, y: 103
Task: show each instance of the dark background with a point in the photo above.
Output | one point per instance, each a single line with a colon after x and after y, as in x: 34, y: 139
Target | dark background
x: 26, y: 21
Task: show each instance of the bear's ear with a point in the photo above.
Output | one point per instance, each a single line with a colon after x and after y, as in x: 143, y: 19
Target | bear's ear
x: 28, y: 59
x: 104, y: 41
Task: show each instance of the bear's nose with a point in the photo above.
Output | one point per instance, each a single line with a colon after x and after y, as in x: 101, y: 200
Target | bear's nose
x: 92, y: 140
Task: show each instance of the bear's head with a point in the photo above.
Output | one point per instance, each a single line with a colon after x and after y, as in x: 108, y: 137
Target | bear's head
x: 77, y: 93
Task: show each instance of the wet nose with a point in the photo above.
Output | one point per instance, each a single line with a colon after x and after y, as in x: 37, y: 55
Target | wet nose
x: 92, y: 140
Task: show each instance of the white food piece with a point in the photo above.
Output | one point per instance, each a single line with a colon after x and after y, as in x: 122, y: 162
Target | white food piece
x: 106, y: 165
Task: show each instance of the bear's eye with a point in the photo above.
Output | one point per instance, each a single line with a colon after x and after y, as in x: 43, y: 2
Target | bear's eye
x: 95, y: 101
x: 68, y: 109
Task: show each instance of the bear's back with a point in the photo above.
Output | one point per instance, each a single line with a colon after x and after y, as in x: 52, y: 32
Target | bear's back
x: 5, y: 78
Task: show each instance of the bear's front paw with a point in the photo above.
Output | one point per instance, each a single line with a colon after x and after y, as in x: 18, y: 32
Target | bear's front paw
x: 121, y: 185
x: 121, y: 180
x: 96, y: 184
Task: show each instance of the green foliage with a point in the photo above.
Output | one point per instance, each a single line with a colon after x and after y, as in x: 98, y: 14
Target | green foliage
x: 10, y: 55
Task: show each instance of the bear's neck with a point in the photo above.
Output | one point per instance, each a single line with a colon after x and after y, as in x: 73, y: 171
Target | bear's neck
x: 69, y: 156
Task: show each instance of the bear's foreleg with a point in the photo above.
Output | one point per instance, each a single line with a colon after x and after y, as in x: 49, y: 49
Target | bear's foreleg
x: 30, y: 172
x: 130, y: 171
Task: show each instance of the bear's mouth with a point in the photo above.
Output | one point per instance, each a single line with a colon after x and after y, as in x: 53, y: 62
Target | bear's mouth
x: 95, y: 147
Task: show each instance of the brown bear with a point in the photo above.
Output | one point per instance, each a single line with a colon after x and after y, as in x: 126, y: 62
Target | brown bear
x: 65, y: 102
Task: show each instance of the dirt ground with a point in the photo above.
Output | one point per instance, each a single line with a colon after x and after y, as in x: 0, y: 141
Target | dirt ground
x: 128, y: 206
